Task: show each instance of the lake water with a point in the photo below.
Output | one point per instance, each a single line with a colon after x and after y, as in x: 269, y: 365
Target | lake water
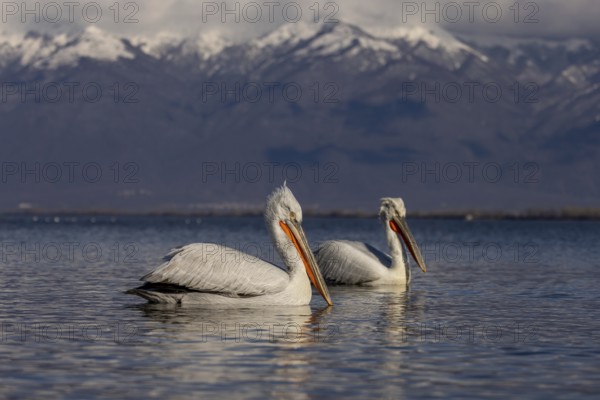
x: 506, y: 307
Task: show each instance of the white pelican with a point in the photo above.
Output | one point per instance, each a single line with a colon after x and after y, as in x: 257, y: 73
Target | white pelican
x: 357, y: 263
x: 211, y: 274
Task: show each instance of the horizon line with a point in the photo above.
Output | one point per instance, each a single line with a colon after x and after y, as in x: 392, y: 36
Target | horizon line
x: 564, y: 213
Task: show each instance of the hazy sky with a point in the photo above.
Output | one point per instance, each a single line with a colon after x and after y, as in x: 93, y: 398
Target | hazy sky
x: 558, y: 18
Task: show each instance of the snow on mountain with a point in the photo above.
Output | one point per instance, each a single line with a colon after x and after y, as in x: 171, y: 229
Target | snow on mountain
x: 571, y: 45
x: 340, y: 41
x: 369, y: 48
x: 531, y: 50
x: 8, y: 47
x: 290, y: 34
x: 580, y: 75
x: 342, y: 37
x: 348, y: 41
x: 170, y: 45
x: 91, y: 43
x: 207, y: 45
x: 157, y: 45
x: 14, y: 46
x: 433, y: 37
x: 42, y: 51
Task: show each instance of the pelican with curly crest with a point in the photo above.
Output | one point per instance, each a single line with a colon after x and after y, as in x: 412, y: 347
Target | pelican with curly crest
x: 212, y: 274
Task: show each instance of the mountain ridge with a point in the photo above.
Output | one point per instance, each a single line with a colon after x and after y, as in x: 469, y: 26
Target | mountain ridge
x: 369, y: 109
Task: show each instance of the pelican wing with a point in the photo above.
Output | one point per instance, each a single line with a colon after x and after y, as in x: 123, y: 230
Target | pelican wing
x: 208, y: 267
x: 351, y: 263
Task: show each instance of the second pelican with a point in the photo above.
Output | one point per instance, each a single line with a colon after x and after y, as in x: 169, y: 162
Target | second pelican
x: 357, y: 263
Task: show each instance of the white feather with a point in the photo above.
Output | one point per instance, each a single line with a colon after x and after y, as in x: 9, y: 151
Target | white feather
x: 209, y: 267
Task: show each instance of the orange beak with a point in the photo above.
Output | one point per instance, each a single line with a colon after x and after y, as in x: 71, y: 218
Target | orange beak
x: 399, y: 226
x: 294, y: 232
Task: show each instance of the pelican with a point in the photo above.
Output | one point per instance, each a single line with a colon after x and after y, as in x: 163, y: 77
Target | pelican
x: 212, y: 274
x: 357, y: 263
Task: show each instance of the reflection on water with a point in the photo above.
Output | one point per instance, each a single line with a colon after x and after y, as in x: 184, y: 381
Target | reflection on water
x: 236, y: 345
x: 262, y: 325
x: 518, y: 321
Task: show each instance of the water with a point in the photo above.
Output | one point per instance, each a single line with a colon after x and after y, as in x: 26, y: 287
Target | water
x: 506, y: 307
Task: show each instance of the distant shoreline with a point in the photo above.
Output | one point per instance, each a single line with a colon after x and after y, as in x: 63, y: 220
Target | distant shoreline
x: 561, y: 214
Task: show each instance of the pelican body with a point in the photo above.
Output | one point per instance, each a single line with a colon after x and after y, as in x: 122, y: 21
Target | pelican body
x: 355, y: 263
x: 212, y: 274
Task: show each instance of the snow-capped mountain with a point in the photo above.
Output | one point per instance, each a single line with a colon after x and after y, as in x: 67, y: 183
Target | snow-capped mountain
x: 171, y: 103
x: 307, y: 40
x: 51, y: 52
x: 169, y: 45
x: 300, y: 40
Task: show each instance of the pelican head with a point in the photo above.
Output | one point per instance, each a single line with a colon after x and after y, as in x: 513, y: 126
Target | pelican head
x: 283, y: 213
x: 393, y: 213
x: 282, y: 204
